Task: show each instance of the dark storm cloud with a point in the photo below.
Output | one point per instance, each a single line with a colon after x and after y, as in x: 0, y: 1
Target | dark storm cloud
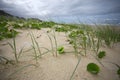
x: 60, y: 7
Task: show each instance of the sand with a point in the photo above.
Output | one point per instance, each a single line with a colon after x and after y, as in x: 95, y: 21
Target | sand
x: 50, y: 67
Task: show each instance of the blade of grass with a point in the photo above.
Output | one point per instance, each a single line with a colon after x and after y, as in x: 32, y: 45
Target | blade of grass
x: 75, y: 69
x: 18, y: 70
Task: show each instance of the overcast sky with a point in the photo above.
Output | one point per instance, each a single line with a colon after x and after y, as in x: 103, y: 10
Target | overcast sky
x: 63, y: 9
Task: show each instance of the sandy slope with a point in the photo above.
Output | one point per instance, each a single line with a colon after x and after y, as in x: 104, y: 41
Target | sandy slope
x: 55, y: 68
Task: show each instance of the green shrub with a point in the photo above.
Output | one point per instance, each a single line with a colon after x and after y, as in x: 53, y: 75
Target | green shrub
x: 70, y: 41
x: 35, y: 26
x: 60, y: 50
x: 16, y: 25
x: 10, y: 34
x: 93, y: 68
x: 1, y: 37
x: 101, y: 54
x: 47, y: 24
x: 60, y: 28
x: 79, y: 40
x: 77, y: 33
x: 5, y: 32
x: 118, y: 71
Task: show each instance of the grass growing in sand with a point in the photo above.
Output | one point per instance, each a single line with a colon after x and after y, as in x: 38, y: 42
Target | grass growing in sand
x: 34, y: 46
x: 4, y: 59
x: 109, y: 34
x: 53, y: 41
x: 14, y: 48
x: 83, y: 39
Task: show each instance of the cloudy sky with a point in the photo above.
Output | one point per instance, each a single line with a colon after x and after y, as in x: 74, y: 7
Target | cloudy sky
x: 64, y: 10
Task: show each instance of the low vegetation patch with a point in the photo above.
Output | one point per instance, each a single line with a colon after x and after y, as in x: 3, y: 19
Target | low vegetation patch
x: 60, y: 50
x: 101, y: 54
x: 93, y: 68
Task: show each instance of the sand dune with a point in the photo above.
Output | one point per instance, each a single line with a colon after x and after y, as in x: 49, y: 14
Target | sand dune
x: 50, y: 67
